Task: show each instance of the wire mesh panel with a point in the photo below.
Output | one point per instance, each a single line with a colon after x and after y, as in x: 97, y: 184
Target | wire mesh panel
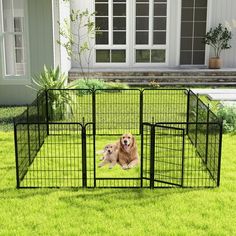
x: 59, y: 161
x: 22, y: 151
x: 196, y: 173
x: 168, y: 156
x: 213, y: 156
x: 201, y: 129
x: 70, y: 105
x: 89, y: 155
x: 164, y: 105
x: 146, y: 154
x: 117, y: 111
x: 192, y: 116
x: 170, y: 159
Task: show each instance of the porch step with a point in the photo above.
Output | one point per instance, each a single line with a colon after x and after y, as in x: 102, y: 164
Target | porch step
x: 171, y: 77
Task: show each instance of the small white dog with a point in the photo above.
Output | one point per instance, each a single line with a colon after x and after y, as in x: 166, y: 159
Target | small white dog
x: 109, y: 152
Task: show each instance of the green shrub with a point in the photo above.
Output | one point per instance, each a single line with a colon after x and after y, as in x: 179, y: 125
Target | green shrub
x: 228, y: 114
x: 95, y: 84
x: 88, y: 84
x: 112, y: 85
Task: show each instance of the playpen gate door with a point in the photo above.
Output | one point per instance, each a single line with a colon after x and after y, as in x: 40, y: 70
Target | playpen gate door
x: 167, y: 163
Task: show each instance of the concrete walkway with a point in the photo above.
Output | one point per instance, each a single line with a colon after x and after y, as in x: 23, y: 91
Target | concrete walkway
x: 217, y: 94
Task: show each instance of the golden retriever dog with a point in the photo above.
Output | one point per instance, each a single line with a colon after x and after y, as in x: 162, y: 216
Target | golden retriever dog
x: 110, y: 155
x: 127, y: 151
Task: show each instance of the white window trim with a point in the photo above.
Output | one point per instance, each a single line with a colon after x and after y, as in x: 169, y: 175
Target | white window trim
x: 110, y: 46
x: 150, y: 46
x: 17, y: 79
x: 130, y: 46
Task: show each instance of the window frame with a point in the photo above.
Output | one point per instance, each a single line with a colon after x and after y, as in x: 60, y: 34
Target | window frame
x: 130, y: 45
x: 150, y: 45
x: 110, y: 46
x: 14, y: 79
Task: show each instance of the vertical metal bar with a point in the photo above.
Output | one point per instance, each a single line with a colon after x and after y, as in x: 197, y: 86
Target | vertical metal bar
x: 84, y: 167
x: 28, y: 132
x: 141, y: 112
x: 39, y: 141
x: 207, y: 134
x: 94, y: 110
x: 196, y: 130
x: 16, y: 157
x: 152, y: 156
x: 220, y: 153
x: 141, y: 159
x: 94, y: 135
x: 183, y: 154
x: 188, y: 107
x: 47, y: 113
x: 94, y: 156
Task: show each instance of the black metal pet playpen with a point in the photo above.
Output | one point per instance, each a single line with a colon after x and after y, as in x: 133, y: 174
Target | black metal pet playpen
x: 178, y: 136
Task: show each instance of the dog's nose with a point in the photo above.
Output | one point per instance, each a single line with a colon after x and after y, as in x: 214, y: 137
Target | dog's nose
x: 125, y: 141
x: 109, y: 151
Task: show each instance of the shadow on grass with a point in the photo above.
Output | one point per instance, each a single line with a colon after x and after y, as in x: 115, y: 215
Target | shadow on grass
x: 120, y: 197
x: 103, y: 195
x: 13, y: 193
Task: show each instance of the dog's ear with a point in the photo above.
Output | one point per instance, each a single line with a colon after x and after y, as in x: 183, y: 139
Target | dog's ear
x: 133, y: 142
x: 121, y: 144
x: 100, y: 151
x: 120, y: 141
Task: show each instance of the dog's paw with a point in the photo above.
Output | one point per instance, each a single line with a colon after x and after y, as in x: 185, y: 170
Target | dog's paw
x: 100, y: 165
x: 131, y: 166
x: 125, y: 167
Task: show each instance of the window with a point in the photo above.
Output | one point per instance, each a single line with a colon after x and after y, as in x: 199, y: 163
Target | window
x: 193, y: 29
x: 151, y: 27
x: 120, y: 40
x: 13, y: 37
x: 111, y: 39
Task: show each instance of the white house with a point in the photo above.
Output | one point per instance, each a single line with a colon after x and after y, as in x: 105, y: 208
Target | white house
x: 137, y: 35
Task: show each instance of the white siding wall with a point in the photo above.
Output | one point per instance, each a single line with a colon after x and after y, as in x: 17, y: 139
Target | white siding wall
x: 82, y: 6
x: 174, y: 32
x: 220, y: 12
x: 64, y: 14
x: 61, y: 11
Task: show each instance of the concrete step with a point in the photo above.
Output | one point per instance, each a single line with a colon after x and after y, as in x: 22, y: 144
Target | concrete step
x: 182, y: 77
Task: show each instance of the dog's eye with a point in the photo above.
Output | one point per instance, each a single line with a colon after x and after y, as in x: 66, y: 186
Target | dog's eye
x: 123, y: 137
x: 128, y: 137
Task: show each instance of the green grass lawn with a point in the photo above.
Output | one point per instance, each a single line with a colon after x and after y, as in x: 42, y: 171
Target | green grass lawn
x: 113, y: 211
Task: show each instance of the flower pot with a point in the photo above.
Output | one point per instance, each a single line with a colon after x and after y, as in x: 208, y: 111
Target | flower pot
x: 215, y: 63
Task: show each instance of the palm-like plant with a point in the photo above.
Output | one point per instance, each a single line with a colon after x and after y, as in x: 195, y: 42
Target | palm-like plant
x: 59, y: 100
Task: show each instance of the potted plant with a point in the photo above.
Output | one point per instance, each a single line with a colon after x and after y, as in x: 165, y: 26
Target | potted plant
x: 219, y: 39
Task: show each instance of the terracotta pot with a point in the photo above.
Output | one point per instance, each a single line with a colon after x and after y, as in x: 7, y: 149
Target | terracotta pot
x: 215, y: 63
